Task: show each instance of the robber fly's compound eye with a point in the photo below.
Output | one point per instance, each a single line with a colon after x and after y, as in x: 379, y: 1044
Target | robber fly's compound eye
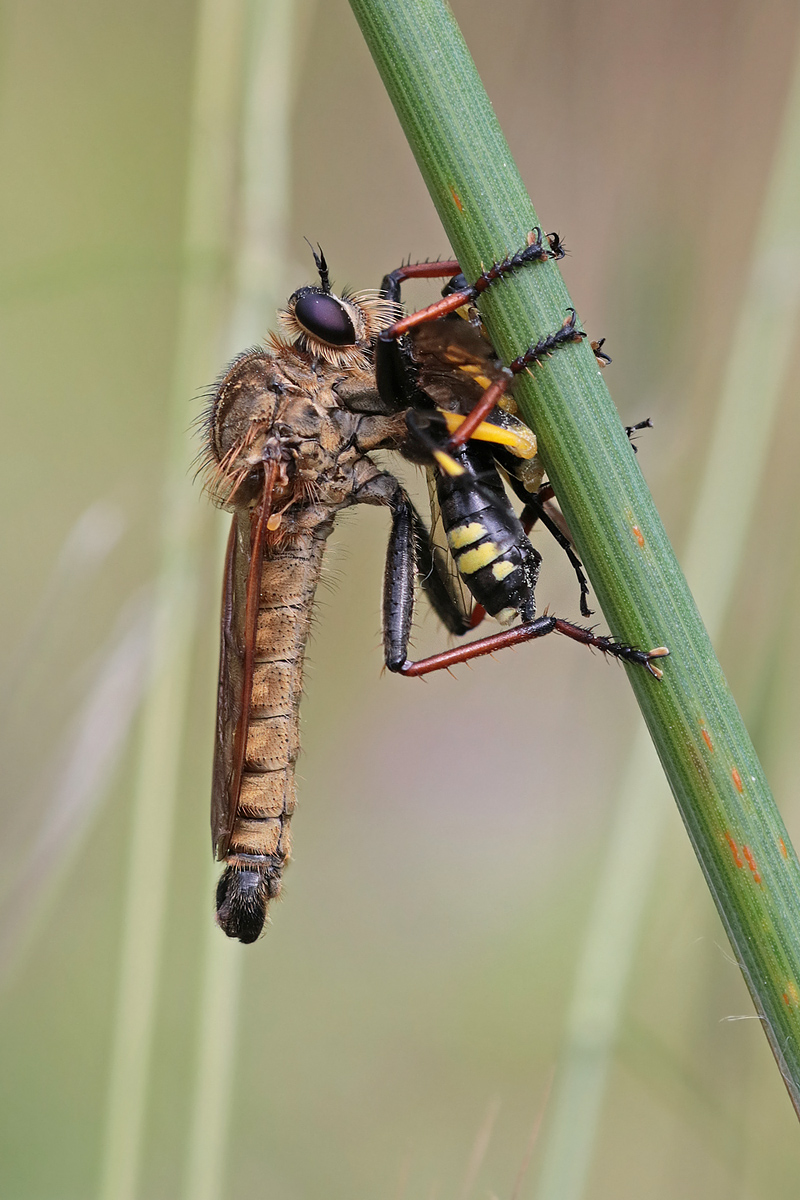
x: 324, y: 317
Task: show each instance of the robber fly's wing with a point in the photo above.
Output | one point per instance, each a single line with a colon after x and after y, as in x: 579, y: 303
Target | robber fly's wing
x: 231, y: 678
x: 240, y: 603
x: 457, y: 607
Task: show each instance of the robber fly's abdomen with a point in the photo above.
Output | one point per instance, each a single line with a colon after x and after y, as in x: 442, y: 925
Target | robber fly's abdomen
x: 491, y: 549
x: 260, y: 842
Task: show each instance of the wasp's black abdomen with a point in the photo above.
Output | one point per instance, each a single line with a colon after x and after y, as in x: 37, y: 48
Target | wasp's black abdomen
x: 491, y: 549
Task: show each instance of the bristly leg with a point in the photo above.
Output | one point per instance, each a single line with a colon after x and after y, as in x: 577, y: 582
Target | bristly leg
x: 538, y: 249
x: 535, y: 354
x: 632, y: 429
x: 529, y: 631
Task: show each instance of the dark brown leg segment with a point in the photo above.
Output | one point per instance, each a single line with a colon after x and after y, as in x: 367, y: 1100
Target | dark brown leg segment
x: 541, y: 627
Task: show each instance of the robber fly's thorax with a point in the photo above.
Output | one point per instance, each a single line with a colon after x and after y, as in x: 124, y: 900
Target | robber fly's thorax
x: 281, y: 404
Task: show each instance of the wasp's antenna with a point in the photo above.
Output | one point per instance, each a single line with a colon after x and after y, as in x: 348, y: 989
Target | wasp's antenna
x: 322, y: 267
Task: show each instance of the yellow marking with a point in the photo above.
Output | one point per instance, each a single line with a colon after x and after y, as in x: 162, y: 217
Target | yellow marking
x: 465, y: 535
x: 448, y: 464
x: 475, y: 370
x: 454, y: 354
x: 481, y: 556
x: 506, y: 616
x: 502, y: 570
x: 521, y: 442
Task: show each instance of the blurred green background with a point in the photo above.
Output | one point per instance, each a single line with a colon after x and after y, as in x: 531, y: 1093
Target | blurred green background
x: 396, y: 1032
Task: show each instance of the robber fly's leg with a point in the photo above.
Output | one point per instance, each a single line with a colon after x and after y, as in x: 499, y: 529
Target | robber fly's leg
x: 603, y: 359
x: 391, y: 375
x: 541, y: 627
x: 395, y: 382
x: 441, y: 269
x: 408, y: 557
x: 537, y: 249
x: 535, y: 354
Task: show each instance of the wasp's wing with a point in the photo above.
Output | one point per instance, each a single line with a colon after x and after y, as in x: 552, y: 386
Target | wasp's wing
x: 455, y: 361
x: 240, y: 603
x: 442, y: 583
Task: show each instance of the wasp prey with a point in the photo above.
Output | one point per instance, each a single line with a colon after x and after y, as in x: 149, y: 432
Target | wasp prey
x: 445, y: 372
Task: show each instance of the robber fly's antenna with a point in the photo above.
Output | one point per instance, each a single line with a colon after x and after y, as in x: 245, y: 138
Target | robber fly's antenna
x: 322, y: 267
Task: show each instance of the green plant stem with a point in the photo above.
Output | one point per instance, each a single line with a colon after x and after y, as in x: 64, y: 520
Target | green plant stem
x: 726, y: 504
x: 708, y: 758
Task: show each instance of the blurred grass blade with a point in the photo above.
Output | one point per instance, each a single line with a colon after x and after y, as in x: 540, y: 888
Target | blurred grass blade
x: 716, y: 778
x: 726, y: 506
x: 274, y: 33
x: 25, y: 672
x: 82, y: 770
x: 479, y: 1148
x: 262, y: 206
x: 201, y: 323
x: 212, y: 1095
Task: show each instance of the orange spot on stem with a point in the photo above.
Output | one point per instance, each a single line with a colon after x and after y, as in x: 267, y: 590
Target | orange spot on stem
x: 751, y: 862
x: 637, y: 533
x: 456, y: 198
x: 737, y: 780
x: 782, y: 845
x: 734, y: 849
x: 707, y: 738
x: 791, y: 997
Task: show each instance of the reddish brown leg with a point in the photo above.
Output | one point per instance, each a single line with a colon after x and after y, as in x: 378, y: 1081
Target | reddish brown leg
x: 537, y: 250
x: 541, y: 627
x: 477, y: 616
x: 534, y: 354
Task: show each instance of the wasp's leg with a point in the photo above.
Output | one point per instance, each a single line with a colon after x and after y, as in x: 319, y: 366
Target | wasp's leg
x: 409, y: 557
x: 632, y: 429
x: 534, y: 511
x: 541, y: 627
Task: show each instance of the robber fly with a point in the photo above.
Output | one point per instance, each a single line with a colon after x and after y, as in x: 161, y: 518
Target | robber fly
x: 289, y: 433
x: 285, y: 457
